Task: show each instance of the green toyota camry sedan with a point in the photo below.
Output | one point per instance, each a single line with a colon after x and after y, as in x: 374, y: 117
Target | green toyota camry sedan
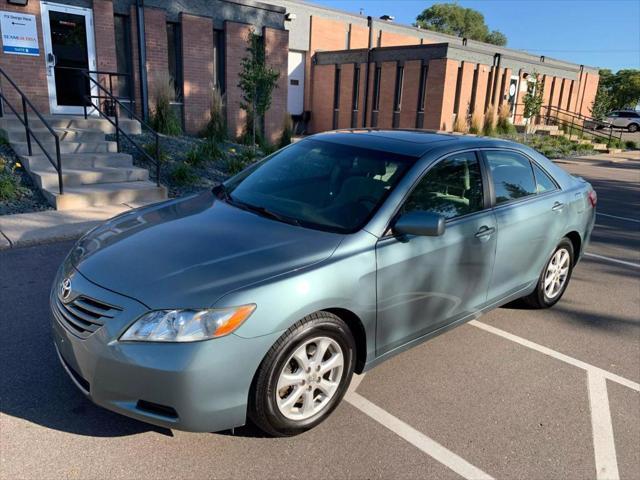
x: 260, y: 299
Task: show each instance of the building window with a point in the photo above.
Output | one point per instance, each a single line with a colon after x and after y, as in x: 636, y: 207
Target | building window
x: 376, y: 89
x: 456, y: 102
x: 174, y: 49
x: 397, y: 101
x: 356, y: 87
x: 336, y: 89
x: 474, y: 90
x: 123, y: 55
x: 218, y: 60
x: 423, y: 88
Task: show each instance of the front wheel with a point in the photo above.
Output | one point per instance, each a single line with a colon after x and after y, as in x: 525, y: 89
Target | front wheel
x: 633, y: 127
x: 304, y: 376
x: 554, y: 278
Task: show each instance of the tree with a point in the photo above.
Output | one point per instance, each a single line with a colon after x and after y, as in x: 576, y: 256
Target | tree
x: 257, y: 82
x: 615, y: 91
x: 456, y: 20
x: 533, y: 99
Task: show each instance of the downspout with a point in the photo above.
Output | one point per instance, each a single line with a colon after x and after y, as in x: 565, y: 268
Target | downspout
x: 142, y: 60
x: 367, y: 73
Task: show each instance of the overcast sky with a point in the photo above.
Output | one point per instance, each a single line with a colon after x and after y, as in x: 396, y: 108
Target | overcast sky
x: 599, y: 33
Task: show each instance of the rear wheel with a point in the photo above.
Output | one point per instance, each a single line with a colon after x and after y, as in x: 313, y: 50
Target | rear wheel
x: 304, y: 376
x: 554, y: 278
x: 633, y: 127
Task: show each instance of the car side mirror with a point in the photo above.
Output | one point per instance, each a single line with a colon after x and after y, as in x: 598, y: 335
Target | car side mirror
x: 425, y: 224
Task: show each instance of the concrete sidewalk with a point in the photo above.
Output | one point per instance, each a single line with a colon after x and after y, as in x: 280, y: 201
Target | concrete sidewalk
x: 41, y: 227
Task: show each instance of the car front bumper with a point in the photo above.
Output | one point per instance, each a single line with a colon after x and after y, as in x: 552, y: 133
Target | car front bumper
x: 197, y: 386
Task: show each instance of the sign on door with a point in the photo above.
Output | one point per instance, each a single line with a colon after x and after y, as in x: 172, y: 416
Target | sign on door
x: 19, y: 34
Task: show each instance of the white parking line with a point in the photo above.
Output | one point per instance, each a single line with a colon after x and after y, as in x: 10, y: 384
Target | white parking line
x: 613, y: 260
x: 557, y: 355
x: 604, y: 446
x: 413, y: 436
x: 627, y: 219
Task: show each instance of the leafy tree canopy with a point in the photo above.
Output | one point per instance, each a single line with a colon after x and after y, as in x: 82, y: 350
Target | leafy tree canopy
x: 616, y: 90
x: 456, y: 20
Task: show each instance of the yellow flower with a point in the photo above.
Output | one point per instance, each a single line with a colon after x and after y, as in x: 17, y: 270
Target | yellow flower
x: 18, y: 165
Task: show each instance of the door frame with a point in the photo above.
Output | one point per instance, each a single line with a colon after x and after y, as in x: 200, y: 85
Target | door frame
x: 87, y: 13
x: 515, y: 99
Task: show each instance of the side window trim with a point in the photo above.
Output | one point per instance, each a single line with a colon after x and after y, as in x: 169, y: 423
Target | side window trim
x: 532, y: 162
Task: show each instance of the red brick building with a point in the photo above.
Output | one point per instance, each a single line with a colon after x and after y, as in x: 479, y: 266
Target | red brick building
x: 337, y: 69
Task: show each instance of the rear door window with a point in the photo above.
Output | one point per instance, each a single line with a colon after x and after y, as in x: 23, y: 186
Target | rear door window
x: 512, y: 175
x: 544, y: 183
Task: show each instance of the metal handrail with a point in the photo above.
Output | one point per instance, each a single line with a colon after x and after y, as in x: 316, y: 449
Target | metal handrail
x: 115, y: 121
x: 57, y: 164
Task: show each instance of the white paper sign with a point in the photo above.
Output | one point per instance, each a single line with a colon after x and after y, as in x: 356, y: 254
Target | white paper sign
x: 19, y: 34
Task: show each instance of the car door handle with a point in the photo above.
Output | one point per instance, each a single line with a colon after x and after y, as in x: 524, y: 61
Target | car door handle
x: 485, y: 231
x: 557, y: 206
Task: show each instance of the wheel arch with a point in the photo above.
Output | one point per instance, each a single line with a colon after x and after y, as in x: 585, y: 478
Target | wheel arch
x: 357, y: 330
x: 576, y: 242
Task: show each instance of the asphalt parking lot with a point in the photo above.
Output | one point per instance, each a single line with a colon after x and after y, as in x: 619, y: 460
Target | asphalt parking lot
x: 514, y: 394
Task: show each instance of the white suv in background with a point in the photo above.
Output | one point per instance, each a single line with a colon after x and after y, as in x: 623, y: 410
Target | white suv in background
x: 626, y: 119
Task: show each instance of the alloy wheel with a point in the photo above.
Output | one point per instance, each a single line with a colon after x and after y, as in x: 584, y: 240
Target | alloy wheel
x: 557, y: 273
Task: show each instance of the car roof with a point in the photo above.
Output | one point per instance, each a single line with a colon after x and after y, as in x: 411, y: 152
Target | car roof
x: 412, y: 143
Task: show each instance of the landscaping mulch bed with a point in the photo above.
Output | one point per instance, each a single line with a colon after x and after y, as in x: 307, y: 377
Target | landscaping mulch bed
x: 16, y: 184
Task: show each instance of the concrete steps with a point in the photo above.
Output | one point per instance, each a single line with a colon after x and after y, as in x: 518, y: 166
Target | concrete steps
x: 105, y: 194
x: 93, y: 172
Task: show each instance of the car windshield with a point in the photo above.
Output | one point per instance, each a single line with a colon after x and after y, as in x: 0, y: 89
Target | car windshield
x: 318, y: 184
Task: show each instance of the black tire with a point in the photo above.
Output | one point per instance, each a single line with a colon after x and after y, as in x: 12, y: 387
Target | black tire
x: 538, y: 298
x: 263, y: 409
x: 633, y: 127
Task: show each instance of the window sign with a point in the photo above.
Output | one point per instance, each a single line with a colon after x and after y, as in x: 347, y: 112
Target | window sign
x: 19, y: 34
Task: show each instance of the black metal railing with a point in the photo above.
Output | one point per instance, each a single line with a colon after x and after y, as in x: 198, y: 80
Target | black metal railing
x: 29, y: 133
x: 110, y: 106
x: 573, y: 123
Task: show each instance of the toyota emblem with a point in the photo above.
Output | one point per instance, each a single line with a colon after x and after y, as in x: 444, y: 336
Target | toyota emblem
x: 65, y: 289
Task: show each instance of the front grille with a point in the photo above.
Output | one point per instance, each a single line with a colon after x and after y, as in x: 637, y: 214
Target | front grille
x: 83, y: 315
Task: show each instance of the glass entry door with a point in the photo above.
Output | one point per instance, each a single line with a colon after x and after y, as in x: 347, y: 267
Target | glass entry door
x: 513, y: 95
x: 69, y: 48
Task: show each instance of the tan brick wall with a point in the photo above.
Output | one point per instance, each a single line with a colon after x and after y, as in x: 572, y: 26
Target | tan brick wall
x: 346, y: 95
x: 155, y: 31
x: 503, y: 92
x: 481, y: 88
x: 236, y: 35
x: 322, y: 108
x: 387, y: 90
x: 361, y: 99
x: 26, y: 71
x: 391, y: 39
x: 277, y: 56
x: 546, y: 82
x: 555, y: 94
x: 565, y: 93
x: 359, y: 37
x: 197, y: 70
x: 105, y: 40
x: 589, y: 95
x: 441, y: 92
x: 409, y: 107
x: 465, y: 89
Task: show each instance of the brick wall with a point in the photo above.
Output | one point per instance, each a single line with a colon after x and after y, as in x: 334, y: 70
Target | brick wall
x: 361, y: 98
x: 322, y: 117
x: 465, y: 88
x: 155, y: 31
x: 346, y: 95
x: 481, y: 88
x: 555, y: 94
x: 589, y: 94
x: 387, y: 90
x: 236, y: 49
x: 277, y: 57
x: 391, y: 39
x: 546, y: 82
x: 197, y: 70
x: 359, y: 37
x: 409, y: 107
x: 135, y: 74
x: 441, y: 91
x: 28, y: 72
x: 105, y: 40
x: 565, y: 93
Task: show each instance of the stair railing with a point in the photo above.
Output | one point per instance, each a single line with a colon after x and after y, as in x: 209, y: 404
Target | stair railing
x: 106, y: 100
x: 24, y: 119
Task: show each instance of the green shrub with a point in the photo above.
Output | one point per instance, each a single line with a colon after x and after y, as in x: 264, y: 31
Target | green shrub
x: 163, y: 119
x: 3, y: 141
x: 207, y: 151
x: 182, y: 174
x: 150, y: 149
x: 234, y: 164
x: 216, y: 128
x: 287, y: 132
x: 630, y: 145
x: 9, y: 187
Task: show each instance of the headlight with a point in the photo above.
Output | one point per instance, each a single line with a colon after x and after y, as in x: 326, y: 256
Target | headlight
x: 187, y: 325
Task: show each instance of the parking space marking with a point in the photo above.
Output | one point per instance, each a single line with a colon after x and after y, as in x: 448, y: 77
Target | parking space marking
x: 557, y: 355
x: 413, y: 436
x: 604, y: 446
x: 614, y: 260
x: 619, y: 218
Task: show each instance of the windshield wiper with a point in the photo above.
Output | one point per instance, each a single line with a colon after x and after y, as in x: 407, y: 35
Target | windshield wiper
x: 266, y: 212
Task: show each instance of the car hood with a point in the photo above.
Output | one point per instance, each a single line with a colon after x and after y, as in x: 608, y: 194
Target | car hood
x: 188, y: 253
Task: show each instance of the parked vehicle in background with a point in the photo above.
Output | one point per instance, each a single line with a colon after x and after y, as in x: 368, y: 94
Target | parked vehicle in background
x: 262, y: 297
x: 624, y: 119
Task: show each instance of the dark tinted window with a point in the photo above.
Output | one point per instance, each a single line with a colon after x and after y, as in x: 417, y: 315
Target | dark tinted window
x: 174, y: 57
x: 543, y: 181
x: 512, y: 175
x: 320, y: 184
x: 451, y: 188
x: 629, y: 115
